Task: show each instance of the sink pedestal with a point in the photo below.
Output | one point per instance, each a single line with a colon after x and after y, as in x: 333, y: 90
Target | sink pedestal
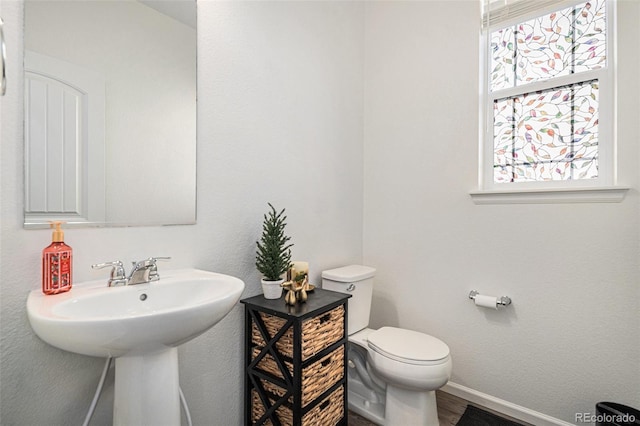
x: 147, y: 389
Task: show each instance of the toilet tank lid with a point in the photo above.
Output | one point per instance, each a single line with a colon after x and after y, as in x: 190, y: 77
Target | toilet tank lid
x: 349, y: 273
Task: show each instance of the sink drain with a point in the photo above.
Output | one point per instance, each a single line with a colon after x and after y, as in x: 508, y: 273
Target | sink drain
x: 143, y: 297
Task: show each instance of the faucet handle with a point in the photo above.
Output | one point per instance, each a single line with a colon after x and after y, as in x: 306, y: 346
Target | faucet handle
x: 150, y: 261
x: 153, y: 270
x: 117, y: 275
x: 116, y: 264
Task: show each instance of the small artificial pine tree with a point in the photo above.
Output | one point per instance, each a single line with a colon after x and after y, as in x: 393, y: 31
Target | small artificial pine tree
x: 273, y: 257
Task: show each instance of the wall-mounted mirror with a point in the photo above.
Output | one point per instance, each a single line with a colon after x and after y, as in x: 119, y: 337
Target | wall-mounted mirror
x: 110, y: 112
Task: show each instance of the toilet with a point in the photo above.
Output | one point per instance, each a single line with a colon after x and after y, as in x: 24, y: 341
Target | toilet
x: 393, y: 372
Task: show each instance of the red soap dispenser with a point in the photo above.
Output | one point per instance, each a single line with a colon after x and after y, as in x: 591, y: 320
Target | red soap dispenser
x: 57, y: 263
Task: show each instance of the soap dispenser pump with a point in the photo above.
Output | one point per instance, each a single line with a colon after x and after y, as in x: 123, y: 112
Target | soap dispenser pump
x: 57, y: 263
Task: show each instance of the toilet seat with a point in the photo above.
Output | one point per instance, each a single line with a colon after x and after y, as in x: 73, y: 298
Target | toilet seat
x: 408, y: 347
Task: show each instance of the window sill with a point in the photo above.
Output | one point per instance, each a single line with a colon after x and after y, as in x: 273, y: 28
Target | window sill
x: 614, y: 194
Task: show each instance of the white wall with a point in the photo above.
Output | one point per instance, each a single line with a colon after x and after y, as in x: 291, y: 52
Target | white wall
x: 280, y: 120
x: 572, y: 336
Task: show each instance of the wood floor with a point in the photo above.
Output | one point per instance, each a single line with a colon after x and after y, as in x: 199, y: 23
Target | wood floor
x: 450, y: 409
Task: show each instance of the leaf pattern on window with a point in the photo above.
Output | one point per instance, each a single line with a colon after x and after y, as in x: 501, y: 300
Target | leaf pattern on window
x: 547, y: 135
x: 568, y: 41
x: 502, y: 59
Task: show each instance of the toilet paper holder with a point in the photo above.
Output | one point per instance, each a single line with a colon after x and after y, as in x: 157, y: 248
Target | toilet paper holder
x: 502, y: 301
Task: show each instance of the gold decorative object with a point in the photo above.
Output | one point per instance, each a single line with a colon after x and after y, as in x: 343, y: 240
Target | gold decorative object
x: 297, y: 289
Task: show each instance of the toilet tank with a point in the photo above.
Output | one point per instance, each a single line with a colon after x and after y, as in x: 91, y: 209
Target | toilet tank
x: 356, y: 280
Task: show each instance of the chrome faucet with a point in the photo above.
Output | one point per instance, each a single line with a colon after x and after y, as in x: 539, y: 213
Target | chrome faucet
x: 144, y: 271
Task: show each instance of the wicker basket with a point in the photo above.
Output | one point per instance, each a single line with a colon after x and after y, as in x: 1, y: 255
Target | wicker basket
x: 316, y: 377
x: 318, y: 332
x: 327, y: 413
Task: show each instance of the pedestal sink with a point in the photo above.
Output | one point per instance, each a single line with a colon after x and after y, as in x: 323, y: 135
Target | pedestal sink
x: 141, y: 326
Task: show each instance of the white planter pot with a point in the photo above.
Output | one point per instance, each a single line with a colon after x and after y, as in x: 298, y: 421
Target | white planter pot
x: 271, y: 289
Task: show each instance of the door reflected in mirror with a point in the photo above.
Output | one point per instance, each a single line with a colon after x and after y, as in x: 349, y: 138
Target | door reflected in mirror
x: 110, y: 112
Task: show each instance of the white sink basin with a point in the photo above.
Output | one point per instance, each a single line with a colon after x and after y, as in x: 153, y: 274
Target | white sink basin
x: 93, y: 319
x: 141, y: 325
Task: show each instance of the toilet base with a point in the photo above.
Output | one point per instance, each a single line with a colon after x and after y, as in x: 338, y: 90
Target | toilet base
x: 404, y: 407
x: 392, y: 406
x: 363, y: 400
x: 372, y: 411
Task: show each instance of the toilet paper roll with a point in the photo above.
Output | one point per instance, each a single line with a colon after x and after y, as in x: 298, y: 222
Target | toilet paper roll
x: 486, y: 301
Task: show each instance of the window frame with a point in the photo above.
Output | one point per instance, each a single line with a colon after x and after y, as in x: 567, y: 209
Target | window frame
x: 606, y: 77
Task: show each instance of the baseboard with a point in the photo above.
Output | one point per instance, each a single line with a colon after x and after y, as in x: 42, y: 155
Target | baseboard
x: 502, y: 406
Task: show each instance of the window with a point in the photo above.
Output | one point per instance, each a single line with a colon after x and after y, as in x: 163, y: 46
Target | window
x: 548, y: 96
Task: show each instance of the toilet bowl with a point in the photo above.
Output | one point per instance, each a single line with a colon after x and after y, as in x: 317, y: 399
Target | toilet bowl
x: 394, y: 372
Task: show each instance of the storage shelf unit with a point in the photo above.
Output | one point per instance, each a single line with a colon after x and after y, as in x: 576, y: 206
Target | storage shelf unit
x: 296, y: 361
